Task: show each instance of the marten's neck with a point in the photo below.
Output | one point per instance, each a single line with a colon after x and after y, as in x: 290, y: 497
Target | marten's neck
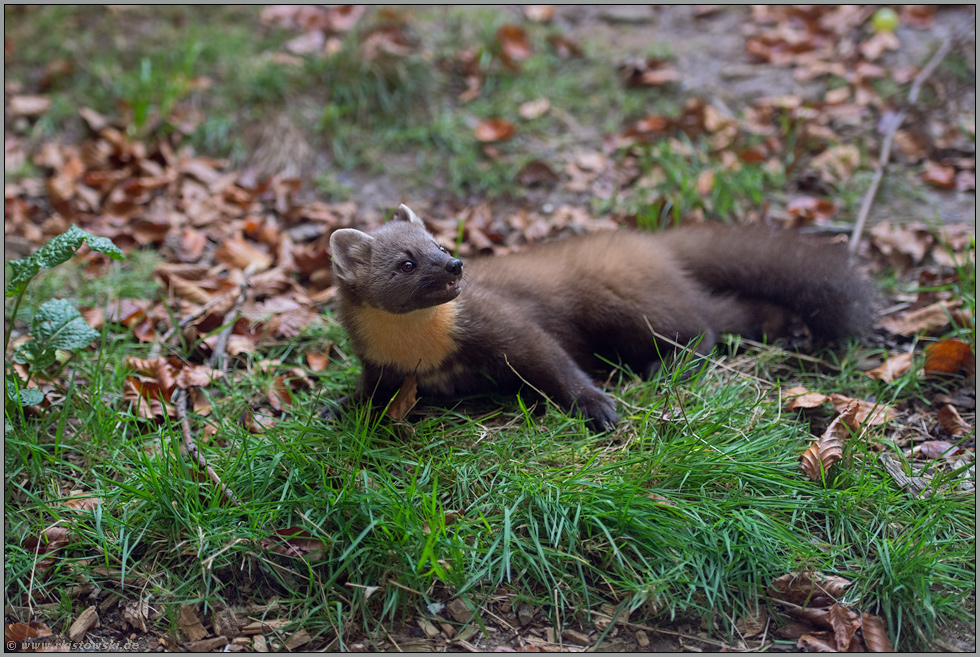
x: 418, y: 341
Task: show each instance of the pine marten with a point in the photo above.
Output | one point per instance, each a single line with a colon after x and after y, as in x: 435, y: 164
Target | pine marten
x: 546, y: 316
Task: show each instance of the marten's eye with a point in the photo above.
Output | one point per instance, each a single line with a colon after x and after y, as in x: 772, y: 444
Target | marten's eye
x: 442, y: 248
x: 407, y: 266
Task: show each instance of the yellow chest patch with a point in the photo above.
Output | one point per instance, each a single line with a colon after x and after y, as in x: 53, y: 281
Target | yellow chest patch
x: 418, y: 341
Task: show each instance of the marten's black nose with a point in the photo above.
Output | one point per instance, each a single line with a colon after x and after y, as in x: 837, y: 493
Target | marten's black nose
x: 455, y: 266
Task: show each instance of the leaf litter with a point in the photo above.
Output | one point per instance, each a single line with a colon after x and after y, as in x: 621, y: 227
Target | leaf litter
x: 216, y: 229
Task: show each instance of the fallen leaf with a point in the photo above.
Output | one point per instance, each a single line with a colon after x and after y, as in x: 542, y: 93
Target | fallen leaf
x: 706, y: 182
x: 930, y: 319
x: 892, y: 368
x: 239, y: 254
x: 405, y: 400
x: 845, y: 623
x: 800, y: 397
x: 948, y: 357
x: 817, y: 642
x: 29, y: 106
x: 875, y: 637
x: 901, y: 246
x: 564, y: 47
x: 856, y: 412
x: 534, y: 108
x: 513, y: 42
x: 280, y: 395
x: 539, y: 13
x: 808, y: 208
x: 490, y: 130
x: 951, y: 422
x: 83, y: 503
x: 936, y: 449
x: 809, y: 589
x: 536, y: 173
x: 826, y: 451
x: 294, y: 542
x: 317, y: 361
x: 939, y: 175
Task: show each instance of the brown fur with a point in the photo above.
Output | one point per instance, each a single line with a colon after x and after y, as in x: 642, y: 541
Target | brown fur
x: 548, y: 315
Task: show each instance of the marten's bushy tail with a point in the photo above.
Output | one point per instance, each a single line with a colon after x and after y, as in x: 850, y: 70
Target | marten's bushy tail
x: 808, y: 275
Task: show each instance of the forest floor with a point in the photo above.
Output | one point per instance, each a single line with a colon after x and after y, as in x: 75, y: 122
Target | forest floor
x: 218, y: 147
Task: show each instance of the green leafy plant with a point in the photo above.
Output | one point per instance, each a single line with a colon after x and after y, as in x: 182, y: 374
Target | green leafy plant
x: 57, y: 325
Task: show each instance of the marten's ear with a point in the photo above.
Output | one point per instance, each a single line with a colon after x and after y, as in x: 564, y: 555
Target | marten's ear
x: 404, y: 213
x: 351, y: 252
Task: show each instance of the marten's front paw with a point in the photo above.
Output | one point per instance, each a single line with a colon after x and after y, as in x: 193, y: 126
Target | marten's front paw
x: 599, y: 410
x: 332, y: 411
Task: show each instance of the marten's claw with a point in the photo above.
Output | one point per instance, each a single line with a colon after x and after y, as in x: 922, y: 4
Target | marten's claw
x: 599, y: 410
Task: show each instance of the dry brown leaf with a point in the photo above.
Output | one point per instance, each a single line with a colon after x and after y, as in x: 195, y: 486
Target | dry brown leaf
x: 490, y: 130
x: 837, y: 163
x: 258, y: 423
x: 83, y: 503
x: 753, y: 625
x: 564, y: 47
x: 857, y: 413
x: 514, y: 45
x: 649, y: 72
x: 317, y: 361
x: 937, y: 449
x: 902, y: 246
x: 16, y: 633
x: 875, y: 637
x: 405, y: 400
x: 706, y: 182
x: 845, y: 623
x: 535, y: 173
x: 806, y: 209
x: 826, y: 451
x: 197, y: 375
x: 294, y: 542
x: 539, y: 13
x: 892, y: 368
x: 239, y: 254
x: 951, y: 422
x: 800, y: 397
x: 948, y: 357
x: 930, y: 319
x: 280, y: 395
x: 817, y: 642
x: 939, y: 175
x: 30, y: 106
x: 809, y: 589
x: 534, y: 108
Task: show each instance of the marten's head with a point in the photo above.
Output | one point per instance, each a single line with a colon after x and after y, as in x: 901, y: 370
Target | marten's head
x: 398, y: 268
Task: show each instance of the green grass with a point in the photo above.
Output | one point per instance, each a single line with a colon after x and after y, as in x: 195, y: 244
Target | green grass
x: 689, y: 510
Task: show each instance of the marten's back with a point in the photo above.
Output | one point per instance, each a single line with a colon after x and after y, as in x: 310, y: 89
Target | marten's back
x: 668, y: 270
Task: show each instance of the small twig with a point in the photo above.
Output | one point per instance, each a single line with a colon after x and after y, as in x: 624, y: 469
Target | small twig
x: 180, y: 402
x: 218, y: 357
x: 530, y: 385
x: 886, y: 146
